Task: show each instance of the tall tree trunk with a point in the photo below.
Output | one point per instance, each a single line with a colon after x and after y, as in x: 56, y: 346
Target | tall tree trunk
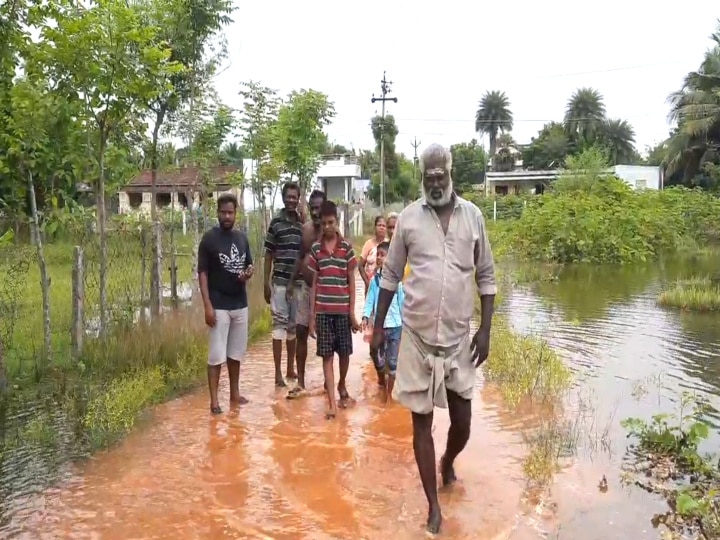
x: 102, y: 230
x: 44, y: 280
x: 155, y: 276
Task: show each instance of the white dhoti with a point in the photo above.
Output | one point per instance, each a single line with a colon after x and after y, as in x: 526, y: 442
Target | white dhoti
x: 425, y: 373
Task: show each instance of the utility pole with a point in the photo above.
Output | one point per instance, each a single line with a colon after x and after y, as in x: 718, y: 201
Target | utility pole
x: 385, y: 89
x: 415, y: 145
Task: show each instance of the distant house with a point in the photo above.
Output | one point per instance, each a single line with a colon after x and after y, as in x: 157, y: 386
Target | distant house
x: 337, y: 177
x: 174, y: 187
x: 522, y: 181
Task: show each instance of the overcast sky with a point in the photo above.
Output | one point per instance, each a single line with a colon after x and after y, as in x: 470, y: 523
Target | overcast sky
x: 443, y: 55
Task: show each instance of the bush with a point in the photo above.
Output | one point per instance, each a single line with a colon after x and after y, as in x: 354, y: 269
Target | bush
x: 590, y: 217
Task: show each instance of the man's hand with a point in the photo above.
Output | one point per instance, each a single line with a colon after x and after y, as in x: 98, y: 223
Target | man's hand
x: 311, y: 328
x: 267, y: 291
x: 290, y: 291
x: 246, y: 274
x: 354, y: 324
x: 378, y: 338
x: 480, y: 346
x: 210, y: 316
x: 364, y: 323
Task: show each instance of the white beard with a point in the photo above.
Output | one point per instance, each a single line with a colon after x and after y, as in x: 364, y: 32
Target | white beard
x: 442, y: 201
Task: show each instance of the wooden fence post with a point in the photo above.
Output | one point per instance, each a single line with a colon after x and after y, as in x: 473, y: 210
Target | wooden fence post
x: 156, y: 281
x: 173, y: 276
x: 77, y: 330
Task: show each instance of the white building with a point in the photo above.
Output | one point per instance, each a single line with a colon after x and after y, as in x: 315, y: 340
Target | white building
x: 337, y: 175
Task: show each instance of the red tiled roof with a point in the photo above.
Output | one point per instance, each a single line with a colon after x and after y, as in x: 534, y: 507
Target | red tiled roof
x: 183, y: 177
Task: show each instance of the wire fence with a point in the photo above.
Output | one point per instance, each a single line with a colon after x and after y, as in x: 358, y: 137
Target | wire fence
x: 147, y: 271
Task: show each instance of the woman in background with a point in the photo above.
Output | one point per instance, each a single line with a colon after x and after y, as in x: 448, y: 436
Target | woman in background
x: 369, y: 251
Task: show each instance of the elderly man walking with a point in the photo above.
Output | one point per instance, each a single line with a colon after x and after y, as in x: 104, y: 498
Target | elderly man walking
x: 443, y: 238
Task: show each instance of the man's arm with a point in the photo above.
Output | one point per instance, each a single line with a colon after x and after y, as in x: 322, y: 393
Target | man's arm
x: 485, y: 275
x: 203, y: 267
x: 270, y: 244
x: 304, y: 242
x: 392, y: 274
x: 351, y: 265
x: 313, y: 265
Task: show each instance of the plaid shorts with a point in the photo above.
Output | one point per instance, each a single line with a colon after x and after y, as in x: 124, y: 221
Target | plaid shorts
x: 334, y: 335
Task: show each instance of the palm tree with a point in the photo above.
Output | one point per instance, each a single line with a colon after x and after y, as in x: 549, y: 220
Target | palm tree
x: 696, y: 109
x: 618, y: 136
x: 493, y: 117
x: 584, y: 115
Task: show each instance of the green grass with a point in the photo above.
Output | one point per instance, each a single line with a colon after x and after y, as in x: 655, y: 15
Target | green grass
x: 697, y: 294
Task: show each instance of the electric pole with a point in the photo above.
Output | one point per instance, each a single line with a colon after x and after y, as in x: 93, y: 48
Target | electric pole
x: 415, y: 145
x: 385, y: 89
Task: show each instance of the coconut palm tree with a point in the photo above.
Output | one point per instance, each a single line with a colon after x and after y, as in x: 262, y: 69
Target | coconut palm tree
x: 696, y: 109
x: 618, y: 136
x: 584, y: 114
x: 493, y: 117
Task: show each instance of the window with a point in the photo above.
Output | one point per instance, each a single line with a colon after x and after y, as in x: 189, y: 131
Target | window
x: 640, y: 183
x: 162, y: 199
x: 135, y: 200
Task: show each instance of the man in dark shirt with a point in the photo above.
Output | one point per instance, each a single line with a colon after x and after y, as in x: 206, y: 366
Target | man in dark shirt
x: 282, y: 248
x: 224, y: 265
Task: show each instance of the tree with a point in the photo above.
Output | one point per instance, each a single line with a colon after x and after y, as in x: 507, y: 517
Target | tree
x: 186, y: 27
x: 493, y: 117
x: 400, y: 184
x: 695, y: 108
x: 584, y: 115
x: 549, y: 149
x: 258, y: 118
x: 468, y: 165
x: 618, y: 136
x: 299, y: 137
x: 117, y: 66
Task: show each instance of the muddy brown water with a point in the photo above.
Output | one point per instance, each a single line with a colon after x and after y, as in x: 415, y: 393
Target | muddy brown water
x: 276, y: 469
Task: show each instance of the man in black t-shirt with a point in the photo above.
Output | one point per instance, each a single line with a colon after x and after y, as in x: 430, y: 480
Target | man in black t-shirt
x: 224, y: 265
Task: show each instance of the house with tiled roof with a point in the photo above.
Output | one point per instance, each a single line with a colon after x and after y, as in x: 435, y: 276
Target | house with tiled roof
x: 176, y: 186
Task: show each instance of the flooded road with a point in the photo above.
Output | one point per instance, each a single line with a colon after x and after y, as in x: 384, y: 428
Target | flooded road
x: 276, y: 469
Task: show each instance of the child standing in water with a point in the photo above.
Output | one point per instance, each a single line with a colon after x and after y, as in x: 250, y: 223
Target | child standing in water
x: 332, y: 303
x: 385, y: 359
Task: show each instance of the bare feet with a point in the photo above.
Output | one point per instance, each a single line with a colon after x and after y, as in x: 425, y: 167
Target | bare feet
x: 215, y: 409
x: 240, y: 400
x: 447, y: 472
x: 291, y: 375
x: 434, y: 521
x: 344, y: 396
x: 279, y: 383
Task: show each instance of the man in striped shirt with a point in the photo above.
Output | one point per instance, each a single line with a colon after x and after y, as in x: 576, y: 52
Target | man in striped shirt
x: 282, y: 249
x: 332, y: 303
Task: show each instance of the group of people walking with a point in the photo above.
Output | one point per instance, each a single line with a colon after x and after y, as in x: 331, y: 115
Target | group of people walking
x: 420, y: 271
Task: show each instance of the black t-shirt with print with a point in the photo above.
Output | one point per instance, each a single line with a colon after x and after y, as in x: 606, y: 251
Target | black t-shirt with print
x: 223, y: 255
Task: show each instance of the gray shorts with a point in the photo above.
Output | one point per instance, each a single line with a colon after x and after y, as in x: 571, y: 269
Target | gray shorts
x: 229, y: 336
x: 283, y: 313
x: 302, y: 296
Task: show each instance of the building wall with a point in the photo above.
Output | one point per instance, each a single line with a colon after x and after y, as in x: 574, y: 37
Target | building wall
x: 336, y: 189
x: 640, y: 176
x: 124, y: 206
x: 513, y: 186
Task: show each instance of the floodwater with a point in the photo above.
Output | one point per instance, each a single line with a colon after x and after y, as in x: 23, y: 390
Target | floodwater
x: 276, y: 469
